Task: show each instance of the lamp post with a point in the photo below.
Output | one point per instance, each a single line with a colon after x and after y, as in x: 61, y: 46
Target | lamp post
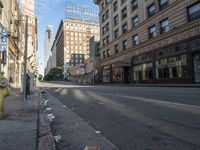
x: 25, y: 59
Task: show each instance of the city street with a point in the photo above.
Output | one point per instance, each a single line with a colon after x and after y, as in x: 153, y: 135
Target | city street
x: 136, y: 118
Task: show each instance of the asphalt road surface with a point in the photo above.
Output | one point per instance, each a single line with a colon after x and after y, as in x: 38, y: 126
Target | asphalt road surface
x: 137, y: 118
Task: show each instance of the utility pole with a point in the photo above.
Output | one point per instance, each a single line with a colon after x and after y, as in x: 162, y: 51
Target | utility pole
x: 25, y: 59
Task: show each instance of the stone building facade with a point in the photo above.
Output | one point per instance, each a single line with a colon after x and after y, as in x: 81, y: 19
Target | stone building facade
x: 154, y: 41
x: 72, y: 42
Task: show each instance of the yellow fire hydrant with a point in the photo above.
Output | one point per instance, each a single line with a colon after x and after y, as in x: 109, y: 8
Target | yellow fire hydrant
x: 4, y: 91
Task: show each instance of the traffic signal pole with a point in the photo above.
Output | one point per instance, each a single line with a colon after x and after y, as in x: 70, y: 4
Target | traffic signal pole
x: 25, y: 59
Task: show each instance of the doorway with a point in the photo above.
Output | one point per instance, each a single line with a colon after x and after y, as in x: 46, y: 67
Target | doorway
x: 127, y: 75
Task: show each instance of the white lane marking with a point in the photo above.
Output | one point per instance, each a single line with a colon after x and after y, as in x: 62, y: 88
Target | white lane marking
x: 49, y: 108
x: 57, y: 138
x: 183, y: 107
x: 100, y: 103
x: 45, y: 102
x: 97, y: 132
x: 50, y: 117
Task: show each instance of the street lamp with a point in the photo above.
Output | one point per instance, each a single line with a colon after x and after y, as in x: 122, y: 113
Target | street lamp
x: 25, y: 59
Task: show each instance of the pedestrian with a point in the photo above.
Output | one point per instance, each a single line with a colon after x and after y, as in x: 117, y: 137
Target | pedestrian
x: 27, y: 84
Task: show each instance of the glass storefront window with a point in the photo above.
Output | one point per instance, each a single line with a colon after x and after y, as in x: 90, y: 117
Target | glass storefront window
x: 106, y: 74
x: 172, y: 67
x: 117, y: 74
x: 143, y: 72
x: 197, y: 67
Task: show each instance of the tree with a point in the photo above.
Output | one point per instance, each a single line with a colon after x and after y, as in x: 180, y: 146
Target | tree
x: 54, y: 74
x: 40, y: 77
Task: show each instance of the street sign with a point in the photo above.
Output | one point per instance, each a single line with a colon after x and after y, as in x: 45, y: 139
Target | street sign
x: 3, y: 40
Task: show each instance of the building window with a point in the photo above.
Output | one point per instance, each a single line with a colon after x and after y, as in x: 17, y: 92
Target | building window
x: 115, y: 6
x: 135, y: 22
x: 116, y: 20
x: 104, y: 55
x: 108, y: 53
x: 124, y: 13
x: 123, y: 1
x: 102, y: 6
x: 1, y: 10
x: 104, y: 42
x: 104, y: 29
x: 125, y: 28
x: 117, y: 74
x: 103, y: 18
x: 163, y: 4
x: 164, y: 26
x: 171, y: 67
x: 107, y: 39
x: 152, y: 31
x: 143, y: 72
x: 151, y: 10
x: 106, y: 2
x: 107, y: 14
x: 125, y: 44
x: 134, y: 5
x: 107, y: 27
x: 135, y: 39
x: 194, y: 11
x: 196, y: 60
x: 106, y: 74
x: 116, y: 48
x: 116, y: 33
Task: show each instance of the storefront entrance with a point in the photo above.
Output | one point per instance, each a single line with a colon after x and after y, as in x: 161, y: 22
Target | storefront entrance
x: 121, y: 72
x: 197, y: 67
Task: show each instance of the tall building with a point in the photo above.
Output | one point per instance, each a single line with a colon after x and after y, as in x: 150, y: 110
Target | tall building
x: 94, y: 46
x: 32, y: 65
x: 154, y: 41
x: 72, y: 42
x: 48, y: 42
x: 52, y: 59
x: 27, y: 7
x: 12, y: 42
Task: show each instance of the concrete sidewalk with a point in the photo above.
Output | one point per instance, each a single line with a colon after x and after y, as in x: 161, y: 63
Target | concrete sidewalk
x: 19, y: 129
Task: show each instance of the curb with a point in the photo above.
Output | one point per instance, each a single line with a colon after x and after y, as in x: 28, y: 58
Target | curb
x: 155, y: 85
x: 45, y: 136
x: 192, y: 85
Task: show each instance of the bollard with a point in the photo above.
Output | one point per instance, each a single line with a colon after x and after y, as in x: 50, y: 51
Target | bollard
x: 4, y: 91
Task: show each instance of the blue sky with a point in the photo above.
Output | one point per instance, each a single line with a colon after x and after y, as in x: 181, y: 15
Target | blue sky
x: 51, y: 12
